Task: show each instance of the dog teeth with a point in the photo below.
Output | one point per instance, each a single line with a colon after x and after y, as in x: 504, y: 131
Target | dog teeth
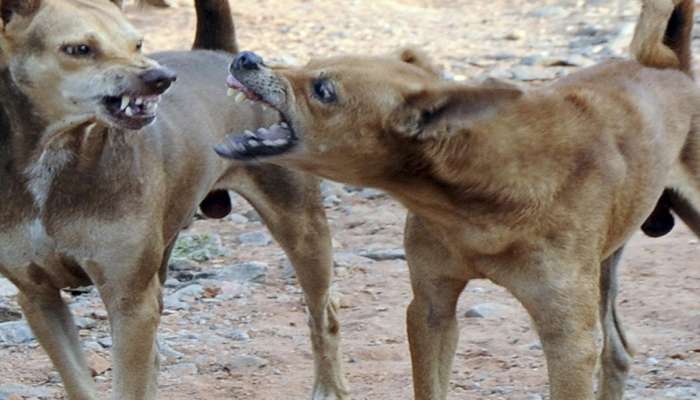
x: 279, y: 142
x: 250, y: 134
x: 125, y: 103
x: 129, y: 112
x: 231, y: 92
x: 240, y: 97
x: 253, y: 143
x: 284, y: 125
x: 139, y: 101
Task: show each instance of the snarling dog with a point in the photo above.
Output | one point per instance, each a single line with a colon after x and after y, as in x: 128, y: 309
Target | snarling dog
x: 535, y: 190
x: 104, y: 159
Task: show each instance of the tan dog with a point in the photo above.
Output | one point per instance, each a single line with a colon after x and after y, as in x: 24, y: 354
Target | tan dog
x: 95, y: 189
x: 535, y: 190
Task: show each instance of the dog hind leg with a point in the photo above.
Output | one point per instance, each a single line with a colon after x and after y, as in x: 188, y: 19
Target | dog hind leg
x: 290, y: 204
x: 616, y: 355
x: 562, y: 297
x: 52, y: 323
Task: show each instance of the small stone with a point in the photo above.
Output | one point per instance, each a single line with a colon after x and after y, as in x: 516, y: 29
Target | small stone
x: 252, y: 216
x: 181, y: 264
x: 371, y: 194
x: 7, y: 288
x: 185, y: 369
x: 85, y: 323
x: 259, y: 238
x: 105, y: 342
x: 384, y: 254
x: 168, y: 353
x: 548, y: 12
x: 331, y: 201
x: 350, y: 260
x: 98, y: 364
x: 245, y: 272
x: 237, y: 335
x: 246, y: 361
x: 14, y: 391
x: 238, y: 219
x: 15, y: 332
x: 9, y: 314
x: 532, y: 73
x: 199, y: 248
x: 487, y: 310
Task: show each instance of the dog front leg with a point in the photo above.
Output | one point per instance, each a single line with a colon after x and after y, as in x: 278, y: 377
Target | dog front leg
x: 431, y: 317
x: 52, y: 323
x: 134, y: 313
x: 290, y: 204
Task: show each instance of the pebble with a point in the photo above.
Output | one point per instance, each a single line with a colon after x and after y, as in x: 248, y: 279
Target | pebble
x: 246, y: 361
x: 350, y: 260
x: 184, y: 369
x: 259, y: 238
x: 199, y: 248
x: 384, y: 254
x: 237, y: 335
x: 14, y: 391
x: 7, y: 288
x: 487, y: 310
x: 15, y: 332
x: 252, y: 271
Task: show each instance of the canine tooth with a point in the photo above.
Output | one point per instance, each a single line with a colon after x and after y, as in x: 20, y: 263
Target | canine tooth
x: 125, y: 102
x: 253, y: 143
x: 284, y: 125
x: 249, y: 134
x: 139, y: 101
x: 129, y: 111
x: 279, y: 142
x: 240, y: 97
x: 231, y: 92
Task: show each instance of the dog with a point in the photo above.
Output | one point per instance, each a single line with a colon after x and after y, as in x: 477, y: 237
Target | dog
x: 104, y: 159
x: 536, y: 190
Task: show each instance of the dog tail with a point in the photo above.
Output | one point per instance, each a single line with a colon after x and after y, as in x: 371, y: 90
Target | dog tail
x: 663, y: 34
x: 215, y: 28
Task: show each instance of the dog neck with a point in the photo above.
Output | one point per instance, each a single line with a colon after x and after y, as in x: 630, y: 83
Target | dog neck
x: 34, y: 152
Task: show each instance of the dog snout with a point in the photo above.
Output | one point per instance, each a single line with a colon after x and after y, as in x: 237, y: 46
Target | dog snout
x: 158, y: 79
x: 246, y: 61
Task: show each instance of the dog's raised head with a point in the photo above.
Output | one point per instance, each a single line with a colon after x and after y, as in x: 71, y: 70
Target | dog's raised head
x: 74, y: 58
x: 358, y: 119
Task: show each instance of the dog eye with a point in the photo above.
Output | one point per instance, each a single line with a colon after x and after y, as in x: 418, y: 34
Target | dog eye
x: 77, y: 50
x: 324, y: 91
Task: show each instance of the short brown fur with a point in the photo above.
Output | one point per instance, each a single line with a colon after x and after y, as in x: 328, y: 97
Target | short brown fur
x: 537, y: 190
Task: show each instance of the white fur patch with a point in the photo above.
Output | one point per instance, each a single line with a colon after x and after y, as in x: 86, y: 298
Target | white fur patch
x: 42, y: 173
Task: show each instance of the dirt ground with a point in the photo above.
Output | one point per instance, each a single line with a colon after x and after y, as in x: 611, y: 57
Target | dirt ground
x: 253, y: 344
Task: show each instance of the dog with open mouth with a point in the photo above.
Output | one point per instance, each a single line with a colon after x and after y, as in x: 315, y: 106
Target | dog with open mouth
x: 105, y: 154
x: 536, y: 190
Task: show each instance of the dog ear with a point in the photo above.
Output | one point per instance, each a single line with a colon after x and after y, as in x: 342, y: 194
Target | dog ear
x: 10, y: 8
x: 445, y: 110
x: 419, y: 59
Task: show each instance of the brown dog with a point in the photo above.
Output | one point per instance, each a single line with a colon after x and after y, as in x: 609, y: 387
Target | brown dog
x: 95, y: 189
x: 535, y: 190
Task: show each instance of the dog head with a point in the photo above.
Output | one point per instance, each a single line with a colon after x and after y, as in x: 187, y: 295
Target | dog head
x: 80, y: 58
x: 358, y: 119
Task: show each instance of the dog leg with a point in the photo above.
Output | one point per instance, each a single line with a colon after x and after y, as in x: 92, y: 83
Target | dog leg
x: 616, y: 355
x: 431, y: 317
x: 562, y: 299
x: 290, y: 204
x: 52, y: 323
x: 134, y: 310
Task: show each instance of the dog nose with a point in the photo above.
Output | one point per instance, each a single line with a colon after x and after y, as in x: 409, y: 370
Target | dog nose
x: 158, y: 79
x: 246, y: 61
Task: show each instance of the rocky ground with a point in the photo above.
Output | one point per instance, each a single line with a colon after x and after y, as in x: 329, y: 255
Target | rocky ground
x: 234, y: 324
